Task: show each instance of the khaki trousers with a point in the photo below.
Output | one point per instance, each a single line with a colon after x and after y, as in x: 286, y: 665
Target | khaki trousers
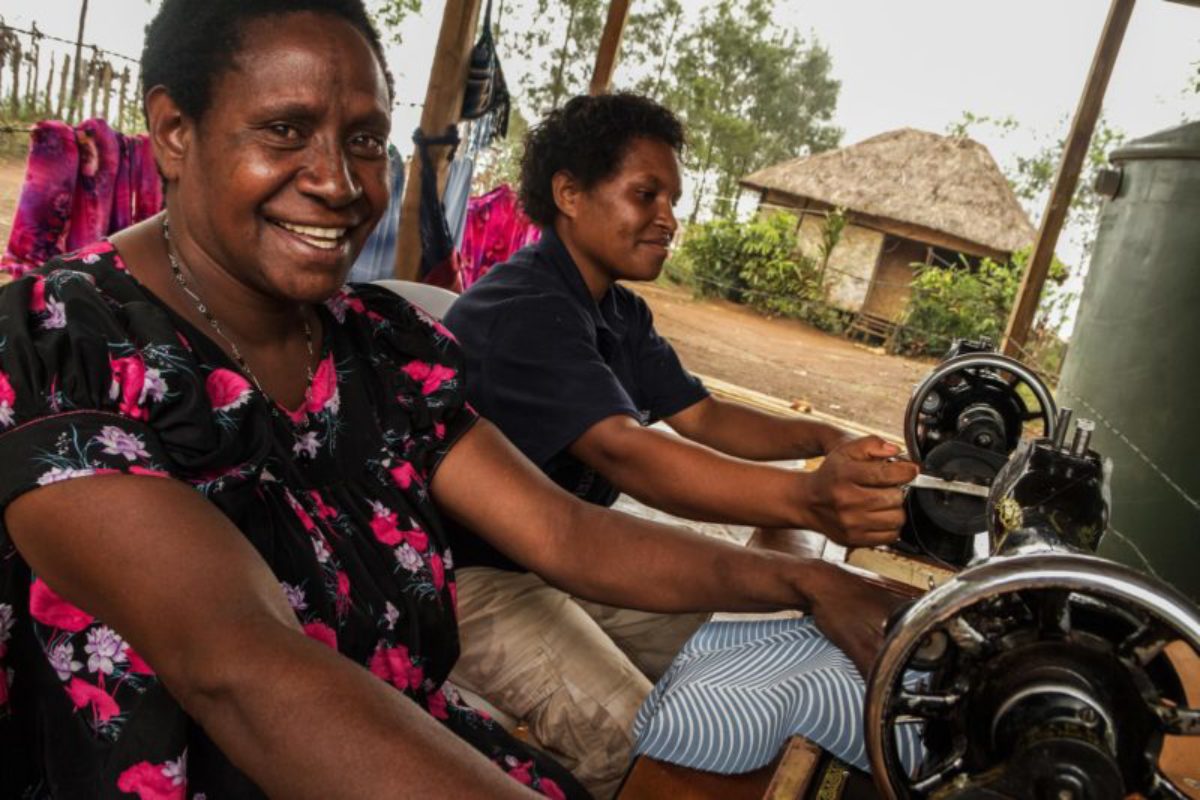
x: 575, y: 672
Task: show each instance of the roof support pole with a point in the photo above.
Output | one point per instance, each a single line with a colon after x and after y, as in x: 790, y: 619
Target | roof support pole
x: 443, y: 106
x: 610, y: 46
x: 1086, y: 114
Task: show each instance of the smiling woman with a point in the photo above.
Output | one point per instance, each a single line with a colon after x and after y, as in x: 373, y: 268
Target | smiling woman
x: 224, y: 475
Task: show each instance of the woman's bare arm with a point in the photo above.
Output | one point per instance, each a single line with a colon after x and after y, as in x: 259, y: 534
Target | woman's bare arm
x: 171, y: 574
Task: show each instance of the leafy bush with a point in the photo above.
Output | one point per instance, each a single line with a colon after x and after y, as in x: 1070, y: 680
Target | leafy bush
x: 965, y: 302
x: 712, y: 256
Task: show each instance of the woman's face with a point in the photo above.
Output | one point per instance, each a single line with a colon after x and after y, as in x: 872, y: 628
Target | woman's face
x: 286, y: 173
x: 622, y: 227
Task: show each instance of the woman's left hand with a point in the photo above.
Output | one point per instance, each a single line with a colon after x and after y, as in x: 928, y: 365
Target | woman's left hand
x: 853, y: 611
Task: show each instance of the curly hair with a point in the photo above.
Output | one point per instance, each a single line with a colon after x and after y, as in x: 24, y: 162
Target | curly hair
x: 189, y: 43
x: 588, y: 138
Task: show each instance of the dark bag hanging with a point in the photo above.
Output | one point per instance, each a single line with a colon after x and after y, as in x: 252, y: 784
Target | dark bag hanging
x: 486, y: 92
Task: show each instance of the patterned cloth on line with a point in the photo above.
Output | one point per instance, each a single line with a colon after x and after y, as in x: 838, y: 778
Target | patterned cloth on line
x: 738, y: 690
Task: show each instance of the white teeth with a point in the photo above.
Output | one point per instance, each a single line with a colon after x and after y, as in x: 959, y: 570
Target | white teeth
x: 321, y: 237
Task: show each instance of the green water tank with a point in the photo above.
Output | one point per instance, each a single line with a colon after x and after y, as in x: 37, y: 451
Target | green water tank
x: 1133, y: 365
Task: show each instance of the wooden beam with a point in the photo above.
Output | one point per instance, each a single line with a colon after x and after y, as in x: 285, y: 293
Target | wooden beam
x: 443, y: 106
x: 610, y: 46
x: 1086, y: 114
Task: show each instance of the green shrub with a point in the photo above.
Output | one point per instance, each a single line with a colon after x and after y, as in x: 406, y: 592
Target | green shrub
x: 711, y: 256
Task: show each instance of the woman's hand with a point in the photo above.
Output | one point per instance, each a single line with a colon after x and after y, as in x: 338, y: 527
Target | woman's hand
x: 855, y: 497
x: 853, y: 612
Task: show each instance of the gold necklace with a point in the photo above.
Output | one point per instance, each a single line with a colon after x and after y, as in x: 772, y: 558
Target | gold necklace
x: 177, y: 271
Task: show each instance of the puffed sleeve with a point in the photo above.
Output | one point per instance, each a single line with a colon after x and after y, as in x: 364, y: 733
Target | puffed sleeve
x: 420, y: 366
x: 95, y: 379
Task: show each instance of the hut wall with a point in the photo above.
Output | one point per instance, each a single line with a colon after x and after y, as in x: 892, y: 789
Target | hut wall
x: 892, y: 287
x: 851, y: 264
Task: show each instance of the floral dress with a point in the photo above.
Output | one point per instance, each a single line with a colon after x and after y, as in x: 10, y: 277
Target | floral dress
x: 97, y: 376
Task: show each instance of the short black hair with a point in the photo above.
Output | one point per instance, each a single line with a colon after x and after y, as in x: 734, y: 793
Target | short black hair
x: 190, y: 43
x: 588, y: 137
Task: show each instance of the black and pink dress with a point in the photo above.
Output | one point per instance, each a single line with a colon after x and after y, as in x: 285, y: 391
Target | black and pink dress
x: 98, y: 376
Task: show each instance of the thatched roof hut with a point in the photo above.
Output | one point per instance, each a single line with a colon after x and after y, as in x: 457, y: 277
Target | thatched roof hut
x: 910, y: 196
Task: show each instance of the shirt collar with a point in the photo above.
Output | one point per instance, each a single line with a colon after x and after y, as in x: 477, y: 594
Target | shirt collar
x: 605, y: 312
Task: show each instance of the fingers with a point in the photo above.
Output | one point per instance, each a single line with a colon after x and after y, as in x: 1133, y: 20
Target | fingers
x: 881, y: 473
x: 868, y: 448
x: 869, y: 538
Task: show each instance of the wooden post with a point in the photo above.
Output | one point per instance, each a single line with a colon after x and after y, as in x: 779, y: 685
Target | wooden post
x: 48, y: 109
x: 16, y: 82
x: 610, y: 46
x: 106, y: 77
x: 76, y: 97
x: 443, y: 105
x: 1086, y: 114
x: 121, y: 99
x: 94, y: 73
x: 62, y: 88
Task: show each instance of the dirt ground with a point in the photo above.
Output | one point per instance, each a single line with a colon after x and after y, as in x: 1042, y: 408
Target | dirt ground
x: 783, y: 358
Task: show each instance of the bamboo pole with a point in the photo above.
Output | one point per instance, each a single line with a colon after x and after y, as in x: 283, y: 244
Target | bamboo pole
x: 443, y: 106
x: 121, y: 99
x: 62, y: 88
x: 1086, y: 114
x: 94, y: 84
x: 610, y: 46
x: 48, y: 108
x: 107, y: 79
x: 75, y: 96
x: 15, y: 100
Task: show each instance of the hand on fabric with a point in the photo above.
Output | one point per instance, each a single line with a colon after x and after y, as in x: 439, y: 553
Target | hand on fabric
x: 853, y: 612
x: 855, y: 497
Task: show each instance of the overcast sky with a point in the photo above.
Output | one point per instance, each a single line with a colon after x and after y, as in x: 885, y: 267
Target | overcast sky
x: 916, y: 63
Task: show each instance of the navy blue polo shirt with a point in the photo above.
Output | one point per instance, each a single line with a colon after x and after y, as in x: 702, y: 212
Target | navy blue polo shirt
x: 545, y: 362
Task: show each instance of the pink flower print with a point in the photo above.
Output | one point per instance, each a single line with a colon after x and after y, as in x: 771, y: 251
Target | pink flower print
x: 408, y: 558
x: 550, y: 789
x: 430, y: 376
x: 84, y: 694
x: 453, y: 589
x: 436, y: 703
x: 149, y: 473
x: 418, y: 538
x: 324, y: 511
x: 301, y: 514
x: 105, y: 649
x: 383, y: 525
x: 128, y: 378
x: 520, y: 771
x: 391, y: 615
x: 295, y: 596
x: 183, y: 340
x: 394, y: 665
x: 8, y: 399
x: 323, y: 393
x: 48, y: 608
x: 56, y: 474
x: 342, y: 302
x: 137, y: 664
x: 438, y: 571
x: 439, y: 430
x: 155, y: 781
x: 37, y: 295
x: 306, y: 445
x: 405, y: 474
x: 227, y: 390
x: 57, y: 318
x: 62, y: 661
x: 118, y: 442
x: 342, y: 602
x: 322, y: 633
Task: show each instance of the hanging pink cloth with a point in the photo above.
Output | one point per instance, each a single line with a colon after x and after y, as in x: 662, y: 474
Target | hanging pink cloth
x: 44, y: 209
x: 496, y: 228
x: 81, y: 184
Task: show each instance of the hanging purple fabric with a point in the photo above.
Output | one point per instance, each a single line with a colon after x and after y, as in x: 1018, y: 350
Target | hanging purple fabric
x: 44, y: 209
x: 496, y: 228
x: 81, y: 184
x: 91, y: 211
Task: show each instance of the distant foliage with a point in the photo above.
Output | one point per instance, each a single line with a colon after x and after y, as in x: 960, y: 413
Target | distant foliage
x: 756, y: 263
x: 964, y: 302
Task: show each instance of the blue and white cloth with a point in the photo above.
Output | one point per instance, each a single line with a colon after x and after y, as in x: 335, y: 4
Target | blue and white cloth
x: 738, y: 690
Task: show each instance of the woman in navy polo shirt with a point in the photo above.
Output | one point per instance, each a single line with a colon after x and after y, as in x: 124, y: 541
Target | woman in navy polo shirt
x: 566, y: 362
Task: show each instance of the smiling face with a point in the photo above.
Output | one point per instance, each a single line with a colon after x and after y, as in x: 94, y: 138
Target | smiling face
x: 284, y: 176
x: 622, y: 227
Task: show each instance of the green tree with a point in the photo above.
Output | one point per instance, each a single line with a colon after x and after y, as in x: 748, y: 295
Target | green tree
x: 390, y: 14
x: 560, y: 45
x: 751, y: 95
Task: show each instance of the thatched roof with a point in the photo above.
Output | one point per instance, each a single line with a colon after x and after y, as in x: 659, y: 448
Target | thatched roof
x: 949, y: 184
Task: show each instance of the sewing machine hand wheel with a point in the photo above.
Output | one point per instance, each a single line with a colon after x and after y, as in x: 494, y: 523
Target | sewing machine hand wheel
x: 1043, y: 675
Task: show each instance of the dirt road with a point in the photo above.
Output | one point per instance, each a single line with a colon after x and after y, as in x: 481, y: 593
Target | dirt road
x: 785, y: 358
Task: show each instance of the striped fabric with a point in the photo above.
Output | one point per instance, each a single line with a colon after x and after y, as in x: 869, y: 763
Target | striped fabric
x: 738, y: 690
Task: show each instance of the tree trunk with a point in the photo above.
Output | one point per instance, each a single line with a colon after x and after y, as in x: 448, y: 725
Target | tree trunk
x: 75, y: 88
x: 662, y: 68
x: 557, y: 90
x: 708, y: 157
